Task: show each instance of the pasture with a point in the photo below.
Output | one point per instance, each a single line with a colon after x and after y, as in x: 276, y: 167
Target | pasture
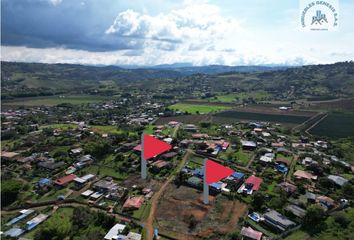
x: 197, y: 108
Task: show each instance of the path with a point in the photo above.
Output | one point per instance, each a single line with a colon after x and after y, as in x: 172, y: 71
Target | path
x: 313, y: 125
x: 150, y: 220
x: 175, y: 130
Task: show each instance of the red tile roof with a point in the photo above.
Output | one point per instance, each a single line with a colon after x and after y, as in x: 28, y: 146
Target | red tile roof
x: 256, y: 181
x: 250, y: 233
x: 138, y: 148
x: 64, y: 180
x: 134, y: 202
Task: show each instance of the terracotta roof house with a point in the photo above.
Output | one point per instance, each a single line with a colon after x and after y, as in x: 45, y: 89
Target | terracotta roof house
x: 256, y: 181
x: 65, y: 180
x: 288, y: 187
x: 168, y: 155
x: 134, y: 202
x: 251, y: 234
x: 8, y: 155
x: 300, y: 174
x: 137, y: 148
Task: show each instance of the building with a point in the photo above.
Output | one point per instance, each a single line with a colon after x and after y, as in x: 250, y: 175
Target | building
x: 248, y: 145
x: 51, y: 164
x: 288, y: 187
x: 14, y: 232
x: 105, y: 186
x: 114, y: 232
x: 277, y: 221
x: 296, y: 210
x: 251, y: 184
x: 24, y: 213
x: 195, y: 182
x: 65, y: 180
x: 134, y: 202
x: 251, y: 234
x: 8, y: 155
x: 340, y: 181
x: 133, y: 236
x: 168, y: 155
x: 160, y: 164
x: 300, y: 174
x: 35, y: 221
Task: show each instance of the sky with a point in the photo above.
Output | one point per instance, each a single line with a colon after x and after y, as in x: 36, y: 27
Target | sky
x: 153, y: 32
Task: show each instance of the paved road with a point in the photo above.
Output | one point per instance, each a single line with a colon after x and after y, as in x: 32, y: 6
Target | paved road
x: 150, y: 220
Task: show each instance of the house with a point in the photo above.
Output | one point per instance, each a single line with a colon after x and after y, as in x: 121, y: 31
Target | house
x: 76, y: 151
x: 251, y: 184
x: 340, y: 181
x: 8, y: 155
x: 190, y: 128
x: 200, y: 136
x: 160, y: 164
x: 236, y: 179
x: 195, y: 182
x: 65, y: 180
x: 114, y: 232
x: 14, y: 232
x: 288, y: 187
x: 81, y: 181
x: 35, y: 221
x: 168, y: 155
x: 127, y: 146
x: 43, y: 182
x: 134, y: 202
x: 251, y: 234
x: 296, y: 210
x: 217, y: 186
x: 248, y: 145
x: 311, y: 197
x: 83, y: 161
x: 23, y: 214
x: 300, y: 174
x: 277, y: 221
x: 281, y: 168
x: 133, y: 236
x: 137, y: 148
x: 198, y: 172
x: 326, y: 202
x: 51, y: 164
x: 105, y: 185
x: 87, y: 193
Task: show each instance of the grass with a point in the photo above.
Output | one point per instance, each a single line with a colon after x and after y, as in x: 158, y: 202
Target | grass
x: 240, y: 157
x: 109, y: 129
x: 54, y: 100
x: 298, y: 235
x: 105, y: 171
x: 196, y: 108
x: 61, y: 126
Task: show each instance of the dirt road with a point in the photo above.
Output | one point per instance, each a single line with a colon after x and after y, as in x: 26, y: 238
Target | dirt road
x: 150, y: 220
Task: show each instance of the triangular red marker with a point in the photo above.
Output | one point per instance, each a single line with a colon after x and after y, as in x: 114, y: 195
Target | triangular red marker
x: 154, y: 147
x: 215, y: 171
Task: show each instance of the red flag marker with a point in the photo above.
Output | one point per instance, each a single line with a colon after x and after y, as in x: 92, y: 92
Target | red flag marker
x: 215, y: 172
x: 154, y: 147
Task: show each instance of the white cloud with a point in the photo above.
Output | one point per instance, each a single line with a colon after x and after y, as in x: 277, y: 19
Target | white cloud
x: 55, y: 2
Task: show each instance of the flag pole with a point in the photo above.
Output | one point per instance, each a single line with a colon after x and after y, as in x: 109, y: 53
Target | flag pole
x: 205, y: 185
x: 143, y: 161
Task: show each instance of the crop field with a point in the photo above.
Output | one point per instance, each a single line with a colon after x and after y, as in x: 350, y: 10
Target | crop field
x: 336, y: 125
x: 258, y: 96
x: 53, y: 100
x: 265, y: 117
x: 197, y: 108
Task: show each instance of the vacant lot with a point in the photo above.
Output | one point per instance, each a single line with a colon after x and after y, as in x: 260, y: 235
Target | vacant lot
x: 196, y: 220
x: 265, y: 117
x: 196, y: 108
x: 53, y: 100
x: 335, y: 125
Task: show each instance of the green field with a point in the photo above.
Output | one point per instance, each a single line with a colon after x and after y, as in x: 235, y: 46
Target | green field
x: 336, y: 125
x: 196, y: 108
x: 257, y: 96
x: 53, y: 100
x: 266, y: 117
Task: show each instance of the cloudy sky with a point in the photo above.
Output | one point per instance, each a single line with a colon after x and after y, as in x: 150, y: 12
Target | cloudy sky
x: 151, y: 32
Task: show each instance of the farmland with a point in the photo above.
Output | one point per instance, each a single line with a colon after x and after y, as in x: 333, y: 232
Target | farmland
x: 258, y: 96
x: 335, y: 125
x: 196, y: 108
x: 266, y: 117
x: 53, y: 100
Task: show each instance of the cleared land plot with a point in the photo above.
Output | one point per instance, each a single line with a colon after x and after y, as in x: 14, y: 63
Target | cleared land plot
x: 193, y: 119
x: 221, y: 215
x: 195, y: 108
x: 53, y: 100
x: 258, y: 96
x: 265, y: 117
x: 335, y: 125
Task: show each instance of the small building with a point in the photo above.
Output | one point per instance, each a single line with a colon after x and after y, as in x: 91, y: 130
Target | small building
x: 14, y: 232
x: 76, y: 151
x: 133, y: 236
x: 277, y: 221
x: 9, y: 155
x: 251, y: 184
x: 23, y: 214
x: 87, y: 193
x: 248, y: 145
x: 296, y: 210
x: 114, y: 232
x: 43, y: 182
x: 288, y: 187
x: 65, y: 180
x: 251, y: 234
x: 168, y: 155
x: 105, y: 186
x: 51, y: 164
x: 300, y: 174
x: 190, y: 128
x: 81, y: 181
x: 134, y: 202
x: 35, y: 221
x: 340, y: 181
x: 195, y: 182
x: 160, y: 164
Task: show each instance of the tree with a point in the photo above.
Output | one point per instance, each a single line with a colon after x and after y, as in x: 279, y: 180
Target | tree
x: 9, y: 191
x: 56, y: 228
x: 258, y: 200
x: 314, y: 219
